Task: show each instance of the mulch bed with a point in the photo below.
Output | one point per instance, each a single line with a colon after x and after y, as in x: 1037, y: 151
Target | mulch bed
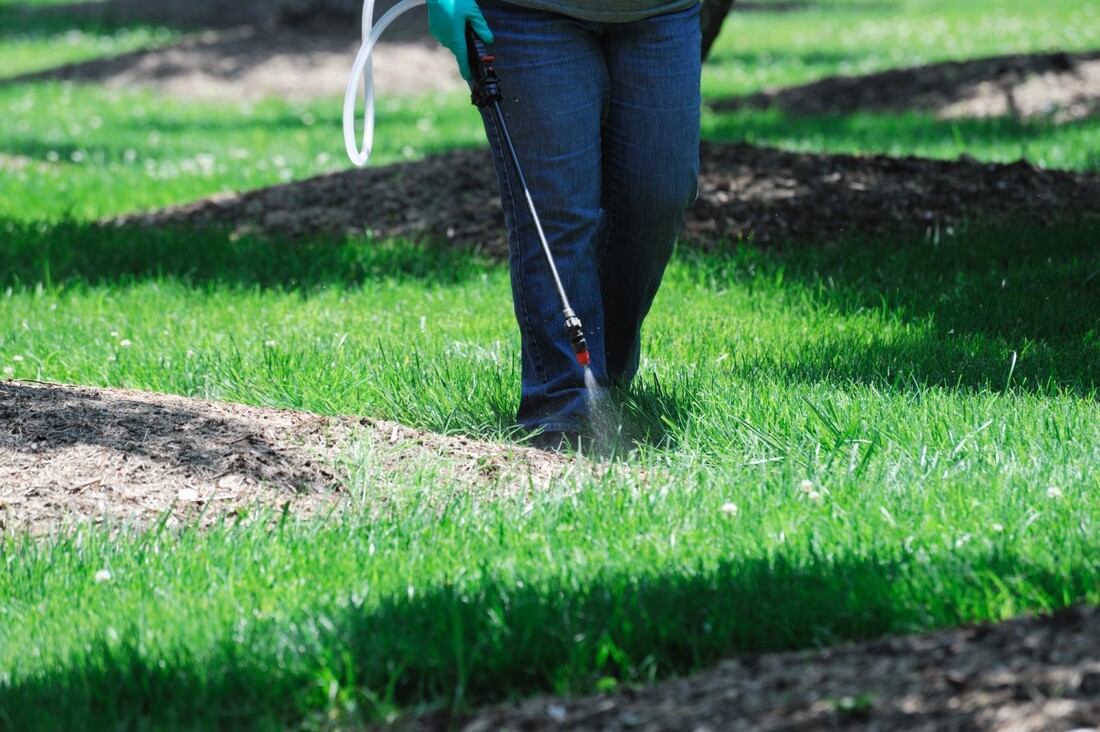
x: 765, y: 195
x: 1034, y: 674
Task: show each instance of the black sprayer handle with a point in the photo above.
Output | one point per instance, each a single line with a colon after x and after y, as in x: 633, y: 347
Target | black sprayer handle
x: 486, y: 89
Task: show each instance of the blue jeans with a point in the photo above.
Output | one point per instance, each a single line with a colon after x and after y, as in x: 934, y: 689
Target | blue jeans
x: 605, y: 121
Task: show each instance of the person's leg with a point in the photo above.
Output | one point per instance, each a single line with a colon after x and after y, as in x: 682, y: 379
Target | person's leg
x: 554, y: 82
x: 651, y: 169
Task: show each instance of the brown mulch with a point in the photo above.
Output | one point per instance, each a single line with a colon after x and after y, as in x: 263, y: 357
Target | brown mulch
x: 746, y: 192
x: 73, y: 454
x: 1035, y: 674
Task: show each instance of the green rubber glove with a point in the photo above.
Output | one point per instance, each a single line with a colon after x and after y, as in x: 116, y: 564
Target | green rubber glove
x: 447, y: 21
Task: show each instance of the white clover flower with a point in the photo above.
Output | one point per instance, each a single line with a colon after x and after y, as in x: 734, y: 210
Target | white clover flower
x: 17, y: 357
x: 730, y: 509
x: 125, y: 343
x: 103, y: 575
x: 1054, y: 492
x: 806, y: 486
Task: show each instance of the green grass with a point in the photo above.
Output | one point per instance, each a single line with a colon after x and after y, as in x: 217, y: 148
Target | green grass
x: 759, y: 50
x: 303, y: 626
x: 891, y: 469
x: 1072, y: 146
x: 853, y: 37
x: 34, y: 37
x: 843, y: 440
x: 83, y: 152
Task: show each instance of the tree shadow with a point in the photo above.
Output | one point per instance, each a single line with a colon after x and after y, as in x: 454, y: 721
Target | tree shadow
x: 993, y: 83
x: 448, y: 646
x: 205, y: 14
x: 74, y: 254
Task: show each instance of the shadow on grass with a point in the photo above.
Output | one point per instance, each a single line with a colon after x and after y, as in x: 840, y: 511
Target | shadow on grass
x: 875, y: 132
x: 30, y: 18
x: 20, y: 21
x: 450, y: 646
x: 185, y: 15
x: 75, y: 253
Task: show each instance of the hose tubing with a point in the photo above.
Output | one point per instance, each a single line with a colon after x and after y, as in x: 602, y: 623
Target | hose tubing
x: 362, y: 69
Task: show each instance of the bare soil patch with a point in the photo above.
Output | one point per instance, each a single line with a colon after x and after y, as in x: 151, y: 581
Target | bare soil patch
x: 258, y: 56
x: 244, y: 65
x: 71, y: 454
x: 746, y: 193
x: 1037, y: 674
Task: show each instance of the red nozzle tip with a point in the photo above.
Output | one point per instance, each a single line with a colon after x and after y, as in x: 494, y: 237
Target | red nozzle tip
x: 582, y: 358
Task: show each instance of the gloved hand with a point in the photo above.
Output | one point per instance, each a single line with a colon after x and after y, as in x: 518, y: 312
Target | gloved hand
x: 447, y: 21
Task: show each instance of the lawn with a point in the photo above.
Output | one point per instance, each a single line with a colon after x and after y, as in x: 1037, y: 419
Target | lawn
x: 842, y: 441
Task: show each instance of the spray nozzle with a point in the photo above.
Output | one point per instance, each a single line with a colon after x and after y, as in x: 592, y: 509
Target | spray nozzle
x: 576, y: 336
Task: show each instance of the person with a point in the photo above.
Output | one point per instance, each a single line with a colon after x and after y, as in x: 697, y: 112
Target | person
x: 601, y: 99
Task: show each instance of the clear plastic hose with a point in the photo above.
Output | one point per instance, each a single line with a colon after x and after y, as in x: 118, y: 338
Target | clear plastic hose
x: 362, y: 69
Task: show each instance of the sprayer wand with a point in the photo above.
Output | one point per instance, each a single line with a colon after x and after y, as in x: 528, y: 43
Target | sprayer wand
x: 486, y: 93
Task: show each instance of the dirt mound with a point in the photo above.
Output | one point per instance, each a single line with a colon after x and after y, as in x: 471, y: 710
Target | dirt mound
x: 70, y: 454
x: 768, y: 195
x: 1058, y: 86
x: 1025, y: 675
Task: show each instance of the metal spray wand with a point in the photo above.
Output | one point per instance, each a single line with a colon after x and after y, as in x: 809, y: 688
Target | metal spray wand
x: 486, y: 93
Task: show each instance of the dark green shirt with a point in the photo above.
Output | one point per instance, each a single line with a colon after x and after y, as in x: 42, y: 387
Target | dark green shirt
x: 608, y: 11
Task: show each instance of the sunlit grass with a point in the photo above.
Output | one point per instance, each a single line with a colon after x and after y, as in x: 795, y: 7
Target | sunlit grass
x: 1072, y: 146
x: 34, y: 40
x: 757, y: 50
x: 85, y: 152
x: 843, y: 442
